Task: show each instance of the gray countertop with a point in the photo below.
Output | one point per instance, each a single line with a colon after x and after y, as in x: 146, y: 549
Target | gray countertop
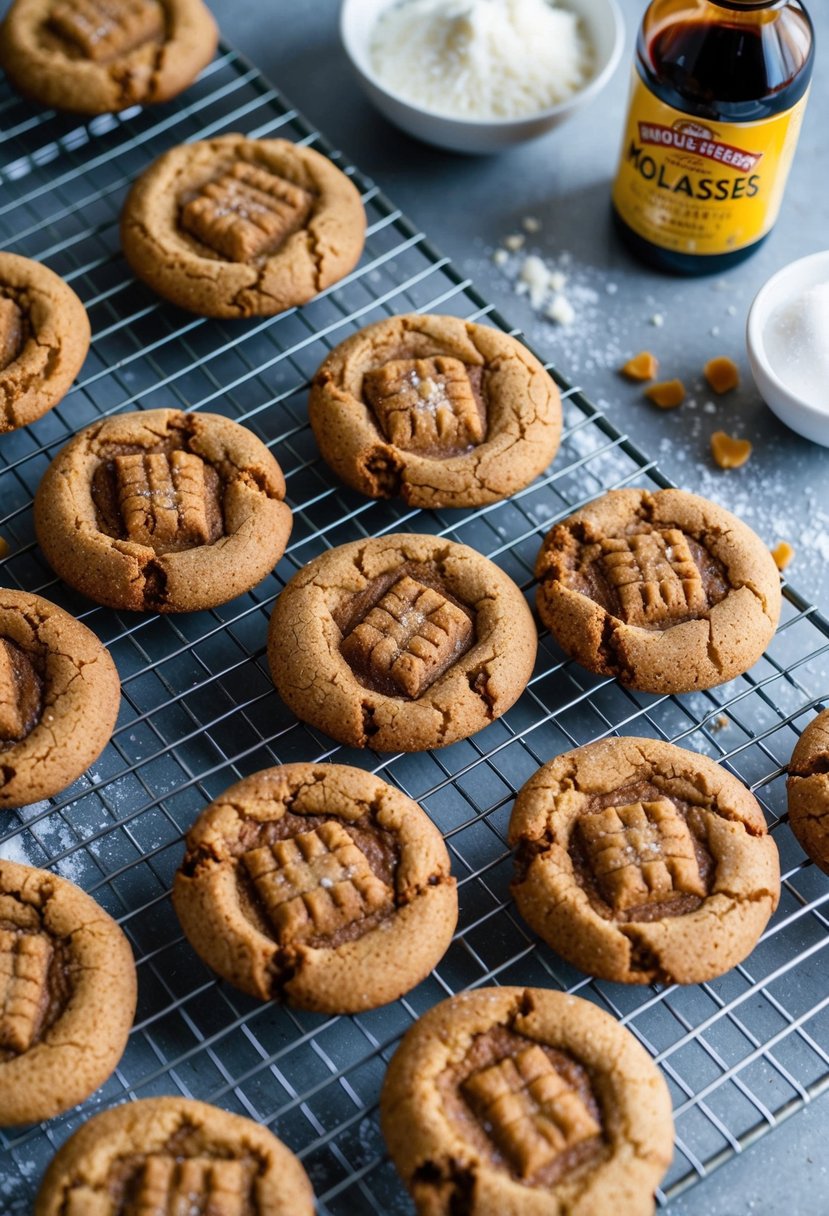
x: 467, y: 206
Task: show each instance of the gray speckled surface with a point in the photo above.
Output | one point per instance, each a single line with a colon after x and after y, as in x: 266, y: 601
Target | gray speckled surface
x: 467, y: 205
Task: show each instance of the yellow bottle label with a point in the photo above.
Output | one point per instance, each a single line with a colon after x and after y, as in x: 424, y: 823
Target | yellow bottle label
x: 701, y: 187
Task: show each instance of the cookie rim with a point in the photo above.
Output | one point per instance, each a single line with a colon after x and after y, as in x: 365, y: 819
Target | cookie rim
x: 807, y: 793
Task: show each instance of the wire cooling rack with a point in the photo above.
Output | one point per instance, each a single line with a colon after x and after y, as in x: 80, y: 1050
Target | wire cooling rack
x: 199, y: 710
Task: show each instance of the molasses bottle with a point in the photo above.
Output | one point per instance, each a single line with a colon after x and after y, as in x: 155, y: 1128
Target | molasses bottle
x: 719, y: 92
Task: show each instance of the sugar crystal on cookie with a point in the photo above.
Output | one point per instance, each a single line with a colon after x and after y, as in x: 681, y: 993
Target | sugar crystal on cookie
x: 426, y: 404
x: 103, y: 30
x: 654, y: 576
x: 169, y: 1186
x: 409, y: 638
x: 246, y: 213
x: 640, y: 853
x: 24, y: 972
x: 529, y: 1110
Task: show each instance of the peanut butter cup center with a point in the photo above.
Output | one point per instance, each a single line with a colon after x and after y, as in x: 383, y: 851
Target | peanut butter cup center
x: 248, y: 212
x: 434, y: 407
x: 12, y: 331
x: 184, y: 1180
x: 35, y: 983
x: 105, y: 30
x: 21, y: 694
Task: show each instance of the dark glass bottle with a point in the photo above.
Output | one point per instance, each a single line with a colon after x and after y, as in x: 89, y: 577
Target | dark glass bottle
x: 720, y: 88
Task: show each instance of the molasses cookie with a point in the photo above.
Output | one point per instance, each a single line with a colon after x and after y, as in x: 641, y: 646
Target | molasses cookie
x: 526, y: 1102
x: 100, y: 56
x: 67, y: 994
x: 401, y: 643
x: 59, y: 698
x: 236, y: 227
x: 317, y: 884
x: 666, y: 591
x: 638, y: 861
x: 44, y: 337
x: 173, y: 1155
x: 808, y: 789
x: 163, y: 511
x: 442, y: 412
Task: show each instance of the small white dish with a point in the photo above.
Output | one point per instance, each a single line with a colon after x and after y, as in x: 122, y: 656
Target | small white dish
x: 605, y: 26
x: 807, y: 420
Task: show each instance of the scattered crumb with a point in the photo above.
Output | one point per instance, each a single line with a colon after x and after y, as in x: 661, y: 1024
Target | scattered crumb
x: 658, y: 319
x: 643, y: 366
x: 500, y: 257
x: 728, y: 451
x: 782, y: 554
x: 722, y: 374
x: 531, y: 224
x: 514, y: 242
x: 667, y: 395
x: 560, y: 310
x: 720, y: 722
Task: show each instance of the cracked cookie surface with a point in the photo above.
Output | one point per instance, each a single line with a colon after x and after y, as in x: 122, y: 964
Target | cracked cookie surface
x: 59, y: 698
x: 525, y: 1102
x: 236, y: 227
x: 808, y: 790
x: 168, y: 1156
x: 666, y: 591
x: 639, y: 861
x: 401, y: 643
x: 436, y: 410
x: 319, y: 885
x: 67, y: 994
x: 100, y: 56
x: 163, y: 511
x: 44, y: 338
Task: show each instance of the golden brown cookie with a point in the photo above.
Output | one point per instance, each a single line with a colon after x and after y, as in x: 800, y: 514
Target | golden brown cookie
x: 163, y: 511
x: 236, y: 227
x: 440, y: 411
x: 666, y: 591
x: 318, y: 884
x: 177, y: 1156
x: 100, y: 56
x: 44, y: 337
x: 638, y: 861
x: 67, y: 994
x: 808, y: 790
x: 59, y: 698
x: 526, y: 1102
x: 401, y: 643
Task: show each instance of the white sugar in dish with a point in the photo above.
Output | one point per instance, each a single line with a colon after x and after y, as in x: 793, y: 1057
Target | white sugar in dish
x: 796, y: 340
x: 481, y: 58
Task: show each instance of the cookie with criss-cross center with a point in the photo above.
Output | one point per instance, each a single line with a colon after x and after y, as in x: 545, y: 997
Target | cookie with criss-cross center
x: 639, y: 861
x: 319, y: 885
x: 666, y: 591
x: 59, y: 698
x: 67, y: 994
x: 163, y: 511
x: 808, y: 790
x: 173, y: 1157
x: 44, y: 338
x: 440, y: 411
x: 525, y: 1102
x: 404, y: 642
x: 100, y: 56
x: 237, y: 227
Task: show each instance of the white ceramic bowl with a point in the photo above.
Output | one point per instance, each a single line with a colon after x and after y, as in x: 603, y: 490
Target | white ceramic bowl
x: 603, y: 20
x: 791, y: 281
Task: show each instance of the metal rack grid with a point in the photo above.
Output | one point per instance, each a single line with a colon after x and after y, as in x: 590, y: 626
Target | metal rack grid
x: 199, y: 710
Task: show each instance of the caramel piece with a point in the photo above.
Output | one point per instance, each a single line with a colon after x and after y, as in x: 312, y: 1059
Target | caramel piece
x: 654, y: 576
x: 103, y: 30
x: 315, y: 884
x: 24, y: 996
x: 11, y: 334
x: 168, y: 1186
x: 425, y: 404
x: 722, y: 374
x: 641, y: 853
x: 782, y: 554
x: 643, y: 366
x: 4, y: 548
x: 729, y: 452
x: 247, y: 213
x: 163, y: 499
x: 529, y: 1110
x: 410, y: 638
x: 667, y: 395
